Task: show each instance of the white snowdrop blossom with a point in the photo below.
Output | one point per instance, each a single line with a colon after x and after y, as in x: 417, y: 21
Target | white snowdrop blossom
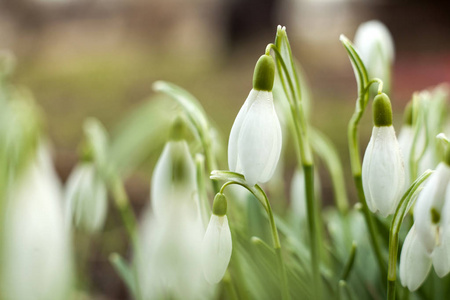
x: 36, y: 256
x: 86, y: 198
x: 415, y: 262
x: 376, y: 48
x: 217, y: 244
x: 173, y: 179
x: 216, y: 248
x: 429, y: 212
x: 383, y: 172
x: 254, y: 145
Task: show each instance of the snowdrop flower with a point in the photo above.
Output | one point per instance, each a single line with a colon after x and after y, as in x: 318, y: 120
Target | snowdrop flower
x: 376, y: 48
x: 383, y: 173
x: 169, y: 264
x: 255, y: 139
x: 428, y: 241
x: 86, y: 198
x: 36, y: 259
x: 415, y: 262
x: 173, y: 179
x: 217, y: 245
x: 429, y: 209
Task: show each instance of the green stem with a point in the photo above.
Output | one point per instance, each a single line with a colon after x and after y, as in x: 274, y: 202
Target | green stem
x: 259, y: 193
x: 122, y: 203
x: 301, y: 137
x: 328, y: 153
x: 353, y: 144
x: 276, y: 246
x: 312, y: 222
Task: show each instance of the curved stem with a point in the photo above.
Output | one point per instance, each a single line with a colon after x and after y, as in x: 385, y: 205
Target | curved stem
x: 353, y: 143
x: 275, y: 237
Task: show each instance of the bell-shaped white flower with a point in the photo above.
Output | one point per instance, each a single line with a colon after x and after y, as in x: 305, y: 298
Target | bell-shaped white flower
x: 217, y: 245
x: 415, y: 262
x: 86, y: 198
x: 255, y: 139
x: 173, y: 179
x: 35, y: 255
x: 429, y: 208
x: 169, y: 264
x: 383, y: 172
x: 376, y: 48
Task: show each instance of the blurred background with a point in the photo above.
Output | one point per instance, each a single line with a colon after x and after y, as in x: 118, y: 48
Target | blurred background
x: 99, y: 58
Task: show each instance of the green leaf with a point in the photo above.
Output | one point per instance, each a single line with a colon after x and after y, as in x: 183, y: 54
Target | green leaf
x: 141, y: 134
x: 358, y: 66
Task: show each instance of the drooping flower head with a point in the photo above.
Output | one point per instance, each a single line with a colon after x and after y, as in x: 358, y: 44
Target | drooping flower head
x: 217, y: 245
x: 255, y: 139
x: 431, y: 214
x: 428, y: 242
x: 173, y: 180
x: 383, y: 172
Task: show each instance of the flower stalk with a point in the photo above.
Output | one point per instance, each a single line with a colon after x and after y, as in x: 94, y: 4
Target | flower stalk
x: 258, y: 192
x: 353, y: 143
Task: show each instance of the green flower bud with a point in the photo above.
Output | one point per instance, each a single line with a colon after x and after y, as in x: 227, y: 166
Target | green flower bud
x: 264, y: 73
x: 382, y: 111
x: 220, y: 205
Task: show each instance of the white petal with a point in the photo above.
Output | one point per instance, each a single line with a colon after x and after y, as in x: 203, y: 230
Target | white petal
x: 383, y: 173
x: 432, y: 196
x: 216, y: 249
x: 235, y: 130
x: 36, y: 259
x: 173, y: 181
x: 259, y: 142
x: 441, y: 253
x: 415, y: 263
x: 376, y: 48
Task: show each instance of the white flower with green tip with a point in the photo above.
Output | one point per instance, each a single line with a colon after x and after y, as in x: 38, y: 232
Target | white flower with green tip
x: 255, y: 139
x: 383, y: 172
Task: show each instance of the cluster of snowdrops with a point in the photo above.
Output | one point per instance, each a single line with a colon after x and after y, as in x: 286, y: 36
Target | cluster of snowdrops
x: 208, y: 233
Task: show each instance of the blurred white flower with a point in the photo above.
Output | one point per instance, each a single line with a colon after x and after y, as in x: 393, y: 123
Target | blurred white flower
x: 173, y: 180
x: 255, y: 139
x: 86, y: 198
x: 170, y: 261
x: 36, y: 262
x: 376, y: 48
